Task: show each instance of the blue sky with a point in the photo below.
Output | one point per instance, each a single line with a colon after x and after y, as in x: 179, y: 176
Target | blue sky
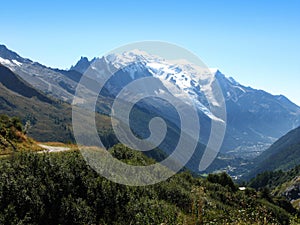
x: 256, y: 42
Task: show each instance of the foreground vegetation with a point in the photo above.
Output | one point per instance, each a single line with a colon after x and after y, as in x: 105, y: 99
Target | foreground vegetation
x: 59, y: 188
x: 274, y: 179
x: 13, y: 138
x: 280, y: 183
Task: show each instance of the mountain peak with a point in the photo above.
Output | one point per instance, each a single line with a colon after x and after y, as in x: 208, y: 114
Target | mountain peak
x: 84, y: 58
x: 214, y: 70
x: 7, y: 54
x: 127, y: 57
x: 82, y: 65
x: 285, y: 100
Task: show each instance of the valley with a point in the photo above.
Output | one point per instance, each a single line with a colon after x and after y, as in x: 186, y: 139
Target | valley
x: 251, y: 113
x: 260, y: 148
x: 149, y: 112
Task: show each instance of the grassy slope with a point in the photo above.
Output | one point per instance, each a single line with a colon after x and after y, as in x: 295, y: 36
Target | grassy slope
x: 12, y: 137
x: 50, y: 119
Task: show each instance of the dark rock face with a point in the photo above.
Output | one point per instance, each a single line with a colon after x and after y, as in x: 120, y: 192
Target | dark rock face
x: 292, y: 193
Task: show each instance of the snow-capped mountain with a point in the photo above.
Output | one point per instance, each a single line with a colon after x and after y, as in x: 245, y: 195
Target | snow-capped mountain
x: 48, y: 80
x: 192, y: 79
x: 255, y: 118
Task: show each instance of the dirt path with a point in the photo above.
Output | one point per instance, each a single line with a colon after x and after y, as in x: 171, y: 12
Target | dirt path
x: 53, y: 148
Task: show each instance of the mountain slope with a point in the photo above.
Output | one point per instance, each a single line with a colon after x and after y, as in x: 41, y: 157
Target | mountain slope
x: 17, y: 85
x: 49, y: 120
x: 13, y: 138
x: 41, y: 77
x: 291, y: 190
x: 255, y: 118
x: 281, y: 183
x: 274, y: 179
x: 284, y: 154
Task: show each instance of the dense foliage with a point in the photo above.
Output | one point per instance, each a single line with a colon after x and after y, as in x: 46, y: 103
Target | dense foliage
x: 59, y: 188
x: 283, y: 184
x: 273, y: 179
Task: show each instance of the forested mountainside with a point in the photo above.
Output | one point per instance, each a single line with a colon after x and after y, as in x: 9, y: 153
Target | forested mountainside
x: 280, y: 183
x: 284, y: 154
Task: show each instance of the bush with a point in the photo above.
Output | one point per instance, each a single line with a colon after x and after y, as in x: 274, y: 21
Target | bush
x: 223, y: 179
